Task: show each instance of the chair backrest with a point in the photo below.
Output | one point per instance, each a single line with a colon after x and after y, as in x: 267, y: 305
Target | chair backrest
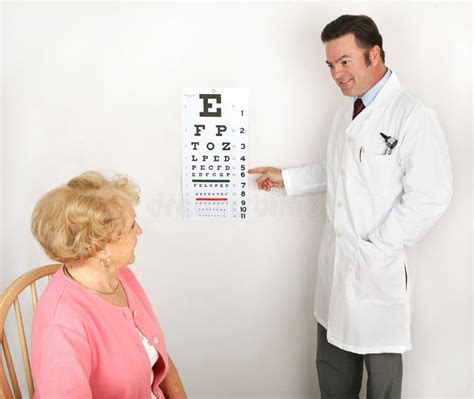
x: 11, y: 390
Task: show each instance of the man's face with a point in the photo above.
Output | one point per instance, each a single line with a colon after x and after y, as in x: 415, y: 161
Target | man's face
x: 348, y: 66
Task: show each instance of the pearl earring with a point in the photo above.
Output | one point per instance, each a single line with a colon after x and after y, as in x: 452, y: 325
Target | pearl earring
x: 105, y: 262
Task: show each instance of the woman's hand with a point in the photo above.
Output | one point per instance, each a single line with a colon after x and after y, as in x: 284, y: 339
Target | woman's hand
x: 171, y: 386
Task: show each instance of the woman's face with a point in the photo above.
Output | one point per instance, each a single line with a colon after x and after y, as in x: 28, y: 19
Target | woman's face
x: 122, y: 252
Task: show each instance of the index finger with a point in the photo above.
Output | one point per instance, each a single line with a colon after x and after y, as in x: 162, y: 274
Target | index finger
x: 258, y: 170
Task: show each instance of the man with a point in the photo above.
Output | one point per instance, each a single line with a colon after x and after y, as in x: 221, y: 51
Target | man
x: 387, y: 175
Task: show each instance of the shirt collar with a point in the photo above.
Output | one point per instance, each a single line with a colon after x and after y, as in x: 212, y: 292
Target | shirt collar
x: 368, y: 97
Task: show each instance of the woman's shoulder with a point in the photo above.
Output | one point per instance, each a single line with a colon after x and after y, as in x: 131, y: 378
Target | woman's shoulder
x: 63, y: 304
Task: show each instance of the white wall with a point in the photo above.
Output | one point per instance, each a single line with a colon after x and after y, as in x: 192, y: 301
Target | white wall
x: 1, y: 147
x: 97, y: 86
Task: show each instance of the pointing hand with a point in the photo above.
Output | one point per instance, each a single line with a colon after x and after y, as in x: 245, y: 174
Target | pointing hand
x: 270, y: 177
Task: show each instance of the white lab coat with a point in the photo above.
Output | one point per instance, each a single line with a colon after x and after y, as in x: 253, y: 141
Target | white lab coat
x: 376, y: 205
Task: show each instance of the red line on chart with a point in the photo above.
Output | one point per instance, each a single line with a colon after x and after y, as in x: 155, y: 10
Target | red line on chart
x: 211, y: 199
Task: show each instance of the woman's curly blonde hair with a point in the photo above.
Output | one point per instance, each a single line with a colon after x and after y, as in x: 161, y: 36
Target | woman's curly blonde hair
x: 75, y: 221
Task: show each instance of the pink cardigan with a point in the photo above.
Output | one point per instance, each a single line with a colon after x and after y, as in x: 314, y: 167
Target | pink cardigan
x: 84, y: 347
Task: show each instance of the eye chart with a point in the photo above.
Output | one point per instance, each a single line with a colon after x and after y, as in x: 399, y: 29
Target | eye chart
x: 215, y: 154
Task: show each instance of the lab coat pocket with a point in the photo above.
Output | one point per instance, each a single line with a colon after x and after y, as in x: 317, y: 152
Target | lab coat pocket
x: 376, y: 171
x: 380, y: 278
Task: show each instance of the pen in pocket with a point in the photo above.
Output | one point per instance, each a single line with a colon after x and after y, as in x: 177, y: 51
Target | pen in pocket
x: 360, y: 153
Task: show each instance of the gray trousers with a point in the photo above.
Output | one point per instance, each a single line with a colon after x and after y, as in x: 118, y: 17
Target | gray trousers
x: 340, y: 372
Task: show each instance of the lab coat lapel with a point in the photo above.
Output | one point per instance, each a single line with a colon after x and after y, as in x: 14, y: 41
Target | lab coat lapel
x: 391, y: 87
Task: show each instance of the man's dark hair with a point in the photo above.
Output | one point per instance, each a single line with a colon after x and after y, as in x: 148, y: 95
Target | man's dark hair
x: 361, y: 26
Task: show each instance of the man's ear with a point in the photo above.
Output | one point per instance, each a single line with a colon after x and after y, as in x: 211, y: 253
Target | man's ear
x: 374, y: 55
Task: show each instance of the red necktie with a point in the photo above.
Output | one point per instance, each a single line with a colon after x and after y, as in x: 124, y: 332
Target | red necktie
x: 358, y: 107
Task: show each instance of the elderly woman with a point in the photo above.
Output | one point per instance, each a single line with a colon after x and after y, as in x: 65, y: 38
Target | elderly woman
x: 94, y: 331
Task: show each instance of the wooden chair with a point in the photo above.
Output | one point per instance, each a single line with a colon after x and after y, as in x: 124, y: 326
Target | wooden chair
x: 11, y: 390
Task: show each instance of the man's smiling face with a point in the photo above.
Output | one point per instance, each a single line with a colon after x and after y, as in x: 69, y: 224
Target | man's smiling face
x: 349, y: 67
